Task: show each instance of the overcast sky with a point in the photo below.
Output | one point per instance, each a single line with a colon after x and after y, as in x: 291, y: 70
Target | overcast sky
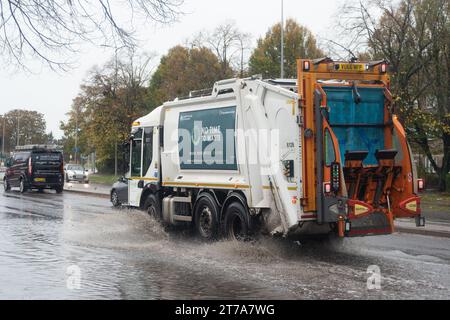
x: 52, y: 94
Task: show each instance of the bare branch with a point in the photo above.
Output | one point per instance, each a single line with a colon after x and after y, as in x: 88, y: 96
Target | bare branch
x: 52, y: 30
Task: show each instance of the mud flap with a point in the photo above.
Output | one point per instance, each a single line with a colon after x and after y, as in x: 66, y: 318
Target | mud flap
x: 376, y: 223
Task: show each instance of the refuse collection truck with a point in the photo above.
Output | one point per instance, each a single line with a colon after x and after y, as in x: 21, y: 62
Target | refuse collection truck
x: 318, y: 155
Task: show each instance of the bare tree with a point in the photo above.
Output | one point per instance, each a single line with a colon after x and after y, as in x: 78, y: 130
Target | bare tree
x: 112, y: 97
x: 51, y: 29
x: 229, y: 44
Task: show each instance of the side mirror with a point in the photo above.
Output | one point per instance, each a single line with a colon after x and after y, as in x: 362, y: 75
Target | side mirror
x: 122, y: 179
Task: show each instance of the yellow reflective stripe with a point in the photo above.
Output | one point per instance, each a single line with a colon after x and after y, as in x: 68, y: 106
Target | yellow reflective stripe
x: 412, y: 206
x: 144, y: 179
x: 360, y: 209
x: 289, y: 188
x: 193, y: 184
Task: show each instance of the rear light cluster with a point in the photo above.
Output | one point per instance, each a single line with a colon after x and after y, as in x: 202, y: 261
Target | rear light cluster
x: 420, y: 184
x: 335, y: 184
x: 335, y: 177
x: 30, y: 167
x: 327, y: 187
x: 383, y: 68
x: 306, y: 65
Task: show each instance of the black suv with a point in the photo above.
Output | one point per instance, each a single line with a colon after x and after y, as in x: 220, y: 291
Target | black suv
x: 35, y: 167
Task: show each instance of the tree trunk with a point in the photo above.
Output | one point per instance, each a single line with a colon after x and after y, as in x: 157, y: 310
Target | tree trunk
x: 445, y: 168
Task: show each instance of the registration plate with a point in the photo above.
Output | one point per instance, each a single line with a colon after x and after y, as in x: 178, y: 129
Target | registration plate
x: 39, y: 179
x: 350, y: 67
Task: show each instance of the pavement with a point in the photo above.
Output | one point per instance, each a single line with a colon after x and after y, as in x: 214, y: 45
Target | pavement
x: 432, y: 228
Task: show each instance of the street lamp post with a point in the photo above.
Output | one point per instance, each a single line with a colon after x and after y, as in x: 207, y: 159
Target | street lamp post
x: 115, y: 159
x: 18, y: 131
x: 3, y: 135
x: 116, y: 60
x: 76, y: 137
x: 282, y: 39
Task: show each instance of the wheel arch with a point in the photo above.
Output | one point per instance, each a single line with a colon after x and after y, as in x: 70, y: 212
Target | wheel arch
x: 211, y: 192
x: 149, y: 189
x: 23, y: 176
x: 205, y: 193
x: 234, y: 196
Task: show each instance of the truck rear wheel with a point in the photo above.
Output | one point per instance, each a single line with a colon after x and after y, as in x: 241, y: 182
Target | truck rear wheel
x: 207, y: 218
x: 237, y: 222
x: 152, y: 207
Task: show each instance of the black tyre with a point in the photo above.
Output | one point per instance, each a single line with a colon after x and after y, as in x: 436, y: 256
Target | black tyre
x: 206, y: 218
x: 6, y: 185
x: 67, y: 178
x: 115, y: 199
x: 22, y: 186
x: 153, y: 207
x: 59, y: 189
x: 237, y: 223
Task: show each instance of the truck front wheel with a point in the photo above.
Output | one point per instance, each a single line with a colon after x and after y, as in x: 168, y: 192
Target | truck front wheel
x: 237, y: 222
x: 207, y: 218
x: 153, y: 207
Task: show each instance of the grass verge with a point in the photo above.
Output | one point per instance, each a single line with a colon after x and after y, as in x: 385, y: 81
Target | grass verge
x: 435, y: 205
x: 105, y: 179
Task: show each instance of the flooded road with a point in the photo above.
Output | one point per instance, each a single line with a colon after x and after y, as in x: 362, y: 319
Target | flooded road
x: 46, y: 239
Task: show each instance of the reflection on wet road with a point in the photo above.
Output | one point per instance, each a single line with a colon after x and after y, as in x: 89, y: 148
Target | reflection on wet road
x: 124, y: 254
